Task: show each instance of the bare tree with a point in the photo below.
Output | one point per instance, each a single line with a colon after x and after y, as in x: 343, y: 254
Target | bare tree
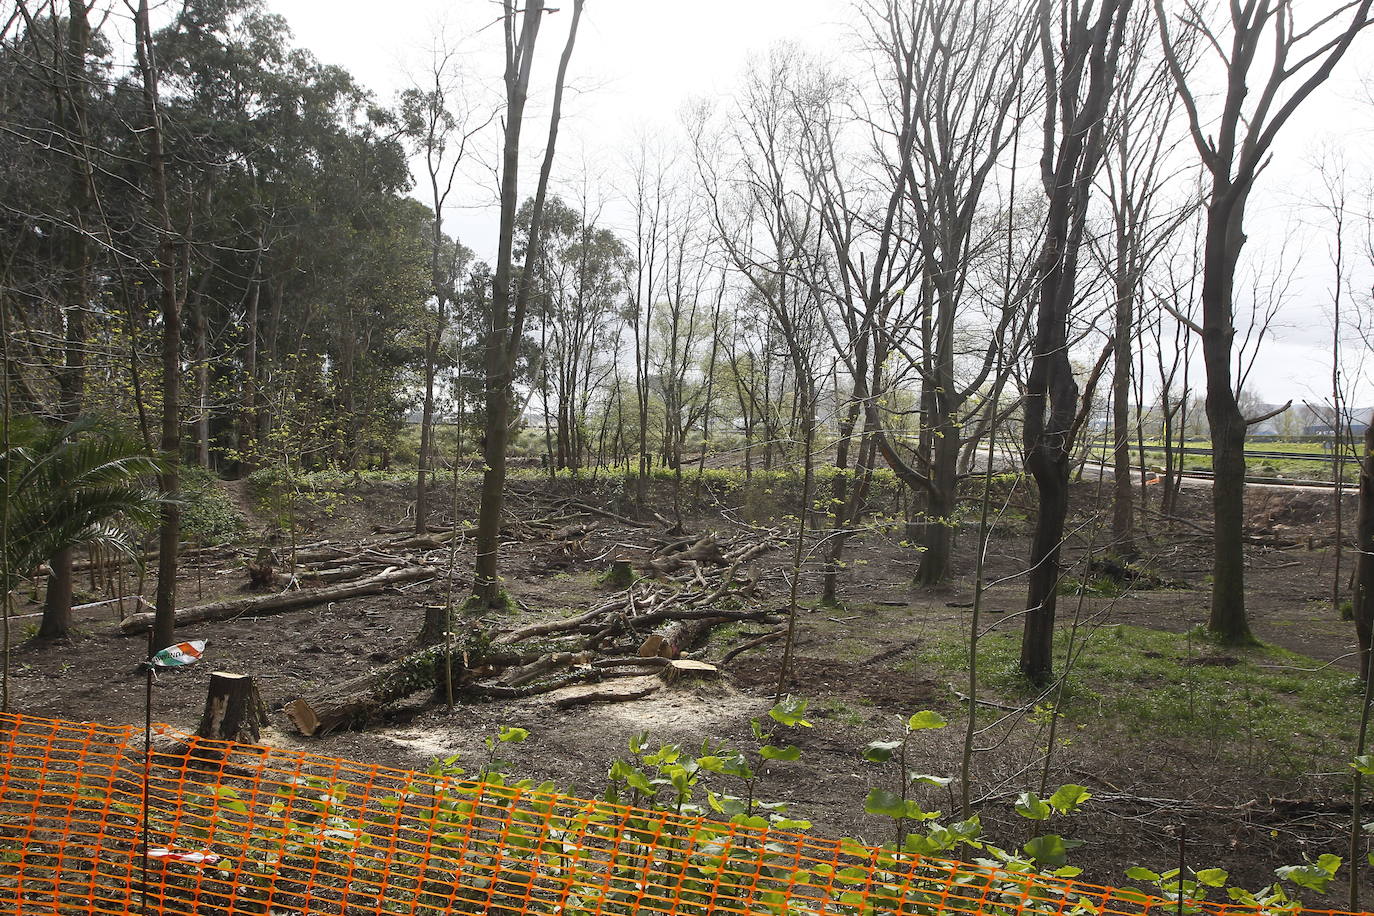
x: 958, y: 67
x: 169, y: 533
x: 1136, y: 177
x: 510, y: 300
x: 1080, y: 47
x: 1234, y: 147
x: 440, y: 127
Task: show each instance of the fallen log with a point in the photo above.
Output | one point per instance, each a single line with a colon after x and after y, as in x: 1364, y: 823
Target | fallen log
x: 354, y: 701
x: 552, y: 626
x: 525, y: 674
x: 607, y: 513
x: 633, y: 688
x: 575, y: 532
x: 357, y: 700
x: 681, y: 635
x: 704, y: 550
x: 751, y: 644
x: 261, y: 605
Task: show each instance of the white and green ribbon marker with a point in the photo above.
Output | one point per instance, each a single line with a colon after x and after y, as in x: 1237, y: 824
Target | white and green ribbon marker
x: 179, y: 655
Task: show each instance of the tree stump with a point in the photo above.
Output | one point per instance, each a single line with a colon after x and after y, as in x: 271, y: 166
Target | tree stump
x: 234, y: 710
x: 262, y: 571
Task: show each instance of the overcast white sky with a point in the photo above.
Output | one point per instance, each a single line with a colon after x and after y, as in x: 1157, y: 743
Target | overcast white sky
x: 639, y: 61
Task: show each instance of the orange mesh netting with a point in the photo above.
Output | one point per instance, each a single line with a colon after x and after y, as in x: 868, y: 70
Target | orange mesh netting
x: 297, y: 833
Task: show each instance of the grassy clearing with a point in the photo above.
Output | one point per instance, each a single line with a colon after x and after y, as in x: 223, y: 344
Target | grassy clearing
x: 1243, y: 704
x: 1299, y: 467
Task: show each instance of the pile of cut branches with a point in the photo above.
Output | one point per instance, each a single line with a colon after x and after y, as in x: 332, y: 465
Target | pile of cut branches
x: 685, y: 587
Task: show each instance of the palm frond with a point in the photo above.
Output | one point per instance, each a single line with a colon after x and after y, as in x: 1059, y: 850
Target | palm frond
x: 80, y: 485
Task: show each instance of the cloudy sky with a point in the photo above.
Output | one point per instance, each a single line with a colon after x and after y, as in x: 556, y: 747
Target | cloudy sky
x: 638, y: 62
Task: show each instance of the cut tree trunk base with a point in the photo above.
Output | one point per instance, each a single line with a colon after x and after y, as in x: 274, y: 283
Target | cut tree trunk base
x: 234, y: 710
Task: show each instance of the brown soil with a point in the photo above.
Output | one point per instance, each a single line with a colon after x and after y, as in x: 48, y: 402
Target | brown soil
x: 857, y: 665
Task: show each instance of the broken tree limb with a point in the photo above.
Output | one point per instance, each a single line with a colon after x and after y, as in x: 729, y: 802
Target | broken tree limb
x: 704, y: 550
x: 525, y: 674
x: 751, y: 644
x: 356, y: 700
x: 552, y: 626
x: 606, y: 513
x: 262, y: 605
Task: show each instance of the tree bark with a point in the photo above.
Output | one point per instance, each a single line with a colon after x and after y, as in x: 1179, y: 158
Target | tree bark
x: 1068, y: 165
x: 71, y: 378
x: 248, y: 404
x: 508, y: 317
x: 427, y: 427
x: 57, y: 602
x: 169, y: 531
x: 262, y: 605
x: 234, y: 710
x: 941, y: 500
x: 1123, y: 502
x: 1364, y: 564
x: 1228, y: 620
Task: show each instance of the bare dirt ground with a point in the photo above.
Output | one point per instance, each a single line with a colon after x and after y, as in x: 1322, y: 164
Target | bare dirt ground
x: 1249, y: 804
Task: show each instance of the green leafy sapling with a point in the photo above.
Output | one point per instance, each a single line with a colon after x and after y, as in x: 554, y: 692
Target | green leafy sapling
x: 789, y: 712
x: 1048, y: 851
x: 494, y: 767
x: 897, y: 804
x: 1190, y: 888
x: 667, y: 768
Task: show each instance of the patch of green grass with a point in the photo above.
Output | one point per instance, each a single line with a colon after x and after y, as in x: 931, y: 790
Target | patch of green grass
x: 620, y: 574
x: 837, y: 710
x: 1255, y: 702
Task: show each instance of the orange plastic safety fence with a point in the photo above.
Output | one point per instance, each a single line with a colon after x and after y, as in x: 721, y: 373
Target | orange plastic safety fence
x: 250, y: 829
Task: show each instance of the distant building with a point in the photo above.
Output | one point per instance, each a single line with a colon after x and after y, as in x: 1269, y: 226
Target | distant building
x: 1355, y: 428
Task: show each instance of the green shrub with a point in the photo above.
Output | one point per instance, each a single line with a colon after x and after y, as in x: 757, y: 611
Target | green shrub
x: 207, y: 515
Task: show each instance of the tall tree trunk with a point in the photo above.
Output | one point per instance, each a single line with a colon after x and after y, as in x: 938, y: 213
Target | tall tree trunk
x: 1364, y: 564
x: 839, y: 500
x: 1091, y: 50
x: 1228, y: 620
x: 71, y: 379
x: 1123, y: 506
x: 202, y: 363
x: 423, y: 460
x: 249, y: 431
x: 169, y: 532
x: 940, y: 505
x: 508, y: 316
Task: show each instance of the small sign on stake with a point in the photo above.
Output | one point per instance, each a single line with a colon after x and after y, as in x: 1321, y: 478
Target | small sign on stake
x: 177, y: 656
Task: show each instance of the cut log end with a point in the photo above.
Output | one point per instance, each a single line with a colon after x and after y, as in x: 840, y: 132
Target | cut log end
x: 686, y: 669
x: 630, y: 688
x: 303, y: 717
